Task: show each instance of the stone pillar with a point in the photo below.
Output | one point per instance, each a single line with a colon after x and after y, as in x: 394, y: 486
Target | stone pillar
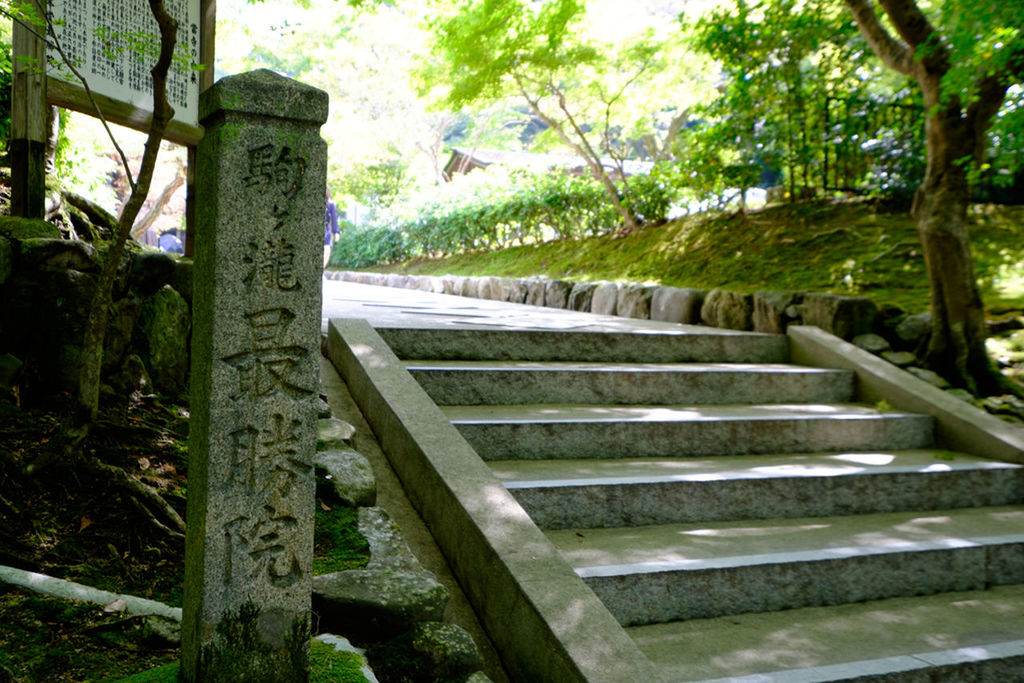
x: 261, y: 181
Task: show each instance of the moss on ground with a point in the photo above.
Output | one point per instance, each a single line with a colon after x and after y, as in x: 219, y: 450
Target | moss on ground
x: 855, y: 247
x: 50, y: 639
x: 326, y: 665
x: 337, y: 543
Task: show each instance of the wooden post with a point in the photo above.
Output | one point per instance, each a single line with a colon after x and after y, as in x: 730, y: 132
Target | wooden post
x: 28, y: 118
x: 207, y: 54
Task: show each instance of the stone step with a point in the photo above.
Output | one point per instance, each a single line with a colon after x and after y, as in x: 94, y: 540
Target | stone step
x: 523, y: 382
x: 674, y: 572
x: 568, y: 493
x: 977, y: 636
x: 679, y: 345
x: 551, y: 431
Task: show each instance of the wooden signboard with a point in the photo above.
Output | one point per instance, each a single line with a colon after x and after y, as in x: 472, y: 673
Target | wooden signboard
x: 93, y: 34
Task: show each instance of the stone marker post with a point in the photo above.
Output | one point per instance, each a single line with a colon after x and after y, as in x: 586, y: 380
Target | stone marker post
x: 261, y: 181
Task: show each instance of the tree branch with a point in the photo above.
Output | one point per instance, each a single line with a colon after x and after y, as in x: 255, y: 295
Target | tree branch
x: 894, y: 54
x: 914, y: 27
x: 99, y: 310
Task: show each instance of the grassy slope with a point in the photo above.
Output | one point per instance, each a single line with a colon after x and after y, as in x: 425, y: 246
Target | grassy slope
x: 846, y: 248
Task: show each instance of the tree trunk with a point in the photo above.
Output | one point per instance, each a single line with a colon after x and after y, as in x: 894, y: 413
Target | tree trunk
x: 146, y: 221
x: 955, y: 132
x: 956, y: 345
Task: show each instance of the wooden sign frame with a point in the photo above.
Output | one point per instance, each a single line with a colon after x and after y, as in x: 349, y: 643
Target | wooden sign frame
x: 32, y: 92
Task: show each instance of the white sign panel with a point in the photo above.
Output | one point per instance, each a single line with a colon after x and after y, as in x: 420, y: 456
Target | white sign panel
x: 97, y: 36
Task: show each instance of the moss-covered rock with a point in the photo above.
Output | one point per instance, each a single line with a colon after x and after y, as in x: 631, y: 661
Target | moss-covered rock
x: 27, y: 228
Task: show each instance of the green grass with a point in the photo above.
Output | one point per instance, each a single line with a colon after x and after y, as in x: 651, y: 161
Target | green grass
x: 848, y: 248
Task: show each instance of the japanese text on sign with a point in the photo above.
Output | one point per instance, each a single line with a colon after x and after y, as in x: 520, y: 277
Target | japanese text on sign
x: 95, y: 34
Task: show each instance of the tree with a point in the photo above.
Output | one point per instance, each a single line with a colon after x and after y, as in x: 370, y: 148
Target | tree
x: 363, y: 58
x: 589, y: 93
x: 782, y: 61
x: 68, y: 446
x: 963, y: 67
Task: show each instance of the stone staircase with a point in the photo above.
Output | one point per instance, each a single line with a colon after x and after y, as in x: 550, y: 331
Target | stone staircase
x: 741, y: 517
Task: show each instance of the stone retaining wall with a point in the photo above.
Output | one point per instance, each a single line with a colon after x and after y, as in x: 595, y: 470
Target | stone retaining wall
x: 47, y: 284
x: 766, y: 311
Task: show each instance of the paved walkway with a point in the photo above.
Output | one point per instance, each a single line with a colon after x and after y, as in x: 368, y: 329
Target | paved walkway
x: 384, y: 306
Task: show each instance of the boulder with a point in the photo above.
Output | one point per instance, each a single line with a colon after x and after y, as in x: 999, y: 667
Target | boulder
x: 151, y: 270
x: 1007, y: 404
x: 962, y: 394
x: 430, y: 283
x: 349, y: 476
x: 181, y: 278
x: 323, y: 408
x: 772, y: 311
x: 132, y: 377
x: 395, y: 280
x: 165, y: 321
x: 932, y: 378
x: 872, y: 343
x: 432, y: 651
x: 470, y: 287
x: 844, y: 316
x: 729, y: 310
x: 160, y: 631
x: 388, y: 550
x: 900, y: 359
x: 49, y: 254
x: 677, y: 305
x: 452, y: 284
x: 634, y: 301
x: 535, y: 291
x: 490, y: 288
x: 334, y: 434
x: 515, y: 291
x: 556, y: 293
x: 27, y: 228
x: 605, y: 300
x: 376, y: 604
x: 913, y: 329
x: 124, y: 314
x: 581, y: 296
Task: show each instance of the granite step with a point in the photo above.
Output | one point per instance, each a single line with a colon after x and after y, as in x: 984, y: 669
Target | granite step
x: 548, y: 431
x: 975, y: 636
x: 523, y: 382
x: 675, y: 572
x: 681, y: 344
x: 562, y: 494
